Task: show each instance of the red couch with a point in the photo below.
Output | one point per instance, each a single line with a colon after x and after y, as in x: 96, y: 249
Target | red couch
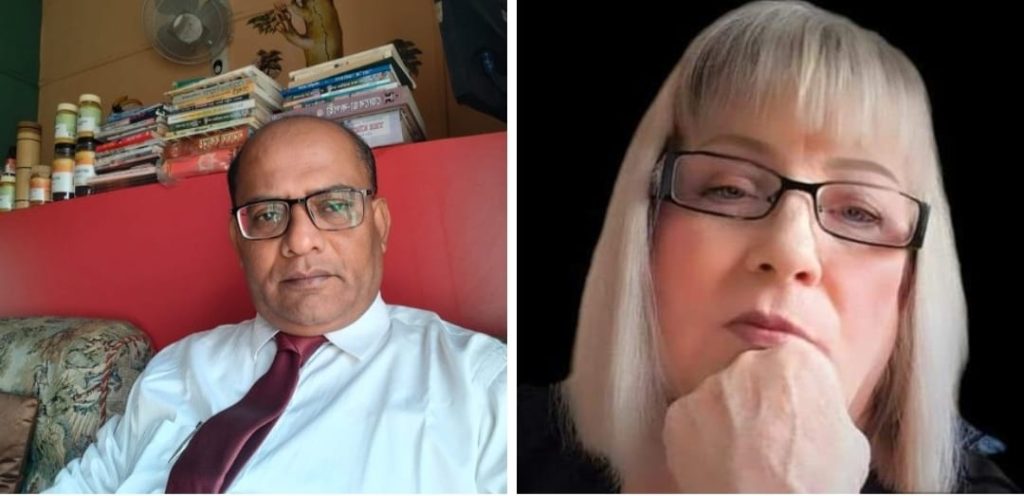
x: 161, y: 258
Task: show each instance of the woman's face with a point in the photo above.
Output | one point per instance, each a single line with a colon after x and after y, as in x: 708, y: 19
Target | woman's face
x: 711, y: 271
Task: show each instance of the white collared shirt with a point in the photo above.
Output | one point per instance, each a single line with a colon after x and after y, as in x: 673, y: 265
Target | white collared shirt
x: 398, y: 401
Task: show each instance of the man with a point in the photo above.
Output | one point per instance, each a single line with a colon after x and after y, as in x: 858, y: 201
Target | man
x: 328, y: 388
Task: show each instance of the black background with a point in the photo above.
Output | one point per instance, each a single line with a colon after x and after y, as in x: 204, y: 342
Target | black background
x: 587, y: 74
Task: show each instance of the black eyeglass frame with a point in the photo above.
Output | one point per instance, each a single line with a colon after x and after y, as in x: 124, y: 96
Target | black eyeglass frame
x: 664, y: 179
x: 365, y: 193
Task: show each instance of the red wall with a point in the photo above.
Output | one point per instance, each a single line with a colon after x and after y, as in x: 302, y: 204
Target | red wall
x: 160, y: 257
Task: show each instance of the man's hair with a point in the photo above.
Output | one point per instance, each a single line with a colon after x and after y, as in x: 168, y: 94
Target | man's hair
x: 363, y: 152
x: 845, y: 80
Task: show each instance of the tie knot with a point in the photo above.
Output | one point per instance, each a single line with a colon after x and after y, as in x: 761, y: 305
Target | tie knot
x: 303, y: 345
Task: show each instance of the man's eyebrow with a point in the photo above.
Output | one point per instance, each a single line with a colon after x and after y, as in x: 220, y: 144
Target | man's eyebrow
x: 260, y: 198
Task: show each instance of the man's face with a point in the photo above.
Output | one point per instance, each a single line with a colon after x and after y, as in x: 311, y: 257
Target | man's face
x: 308, y: 281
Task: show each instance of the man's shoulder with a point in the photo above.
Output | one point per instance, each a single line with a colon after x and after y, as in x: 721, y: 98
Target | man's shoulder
x: 484, y: 355
x: 165, y: 379
x: 412, y: 319
x: 211, y: 340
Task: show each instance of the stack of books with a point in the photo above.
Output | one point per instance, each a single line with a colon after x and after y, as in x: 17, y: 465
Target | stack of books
x: 208, y: 120
x: 130, y: 149
x: 369, y: 92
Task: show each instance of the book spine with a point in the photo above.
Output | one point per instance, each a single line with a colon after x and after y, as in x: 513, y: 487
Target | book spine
x: 193, y: 165
x: 128, y: 140
x: 379, y: 129
x: 158, y: 128
x: 207, y: 104
x: 117, y: 116
x: 214, y: 119
x: 201, y: 144
x: 133, y: 153
x: 211, y: 94
x: 353, y: 105
x: 339, y: 79
x: 129, y: 148
x: 348, y: 92
x: 247, y: 121
x: 353, y: 61
x: 127, y: 173
x: 404, y: 76
x: 248, y: 72
x: 125, y: 163
x: 106, y: 134
x: 212, y: 111
x: 363, y: 82
x: 126, y: 121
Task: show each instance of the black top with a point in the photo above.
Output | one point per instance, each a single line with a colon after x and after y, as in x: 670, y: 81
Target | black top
x: 548, y: 465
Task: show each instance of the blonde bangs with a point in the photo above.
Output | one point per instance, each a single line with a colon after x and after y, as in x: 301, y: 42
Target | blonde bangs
x: 844, y: 81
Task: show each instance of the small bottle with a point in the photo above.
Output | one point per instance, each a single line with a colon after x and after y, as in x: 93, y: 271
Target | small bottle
x: 65, y: 126
x: 12, y: 163
x: 6, y: 192
x: 29, y: 138
x: 63, y: 170
x: 89, y: 115
x: 39, y: 191
x: 85, y: 165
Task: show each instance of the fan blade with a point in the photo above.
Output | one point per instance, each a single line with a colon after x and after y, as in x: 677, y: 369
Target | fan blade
x: 173, y: 48
x: 175, y: 7
x: 214, y: 13
x: 216, y: 18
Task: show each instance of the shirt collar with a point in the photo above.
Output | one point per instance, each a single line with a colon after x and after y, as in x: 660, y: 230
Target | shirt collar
x: 357, y: 339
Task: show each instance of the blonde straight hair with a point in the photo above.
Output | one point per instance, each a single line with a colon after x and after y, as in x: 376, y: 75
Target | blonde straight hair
x: 844, y: 80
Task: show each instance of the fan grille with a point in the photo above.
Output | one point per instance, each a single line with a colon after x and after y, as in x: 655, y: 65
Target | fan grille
x: 187, y: 31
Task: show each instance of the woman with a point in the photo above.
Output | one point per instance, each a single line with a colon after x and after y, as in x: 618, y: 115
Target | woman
x: 774, y: 303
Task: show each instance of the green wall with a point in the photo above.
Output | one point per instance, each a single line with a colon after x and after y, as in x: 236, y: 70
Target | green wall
x: 19, y: 67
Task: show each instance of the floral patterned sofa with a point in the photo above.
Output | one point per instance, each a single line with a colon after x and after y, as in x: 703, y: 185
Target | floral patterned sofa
x: 80, y: 370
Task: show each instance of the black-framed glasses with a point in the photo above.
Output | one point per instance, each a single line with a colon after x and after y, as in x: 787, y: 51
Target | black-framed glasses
x: 738, y: 188
x: 331, y: 210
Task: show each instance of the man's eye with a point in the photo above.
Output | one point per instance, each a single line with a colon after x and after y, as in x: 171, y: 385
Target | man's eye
x: 336, y: 206
x: 267, y: 216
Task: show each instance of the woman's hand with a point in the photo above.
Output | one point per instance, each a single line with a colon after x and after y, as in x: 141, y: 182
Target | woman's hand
x: 773, y: 421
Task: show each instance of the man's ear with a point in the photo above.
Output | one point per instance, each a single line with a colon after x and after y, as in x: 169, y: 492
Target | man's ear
x: 382, y: 221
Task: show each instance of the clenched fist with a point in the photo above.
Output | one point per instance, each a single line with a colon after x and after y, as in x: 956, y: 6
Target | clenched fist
x: 775, y: 420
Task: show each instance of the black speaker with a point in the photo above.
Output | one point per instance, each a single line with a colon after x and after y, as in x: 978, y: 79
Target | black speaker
x: 476, y: 46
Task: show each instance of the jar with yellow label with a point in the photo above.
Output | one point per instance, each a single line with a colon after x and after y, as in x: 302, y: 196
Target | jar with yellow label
x: 62, y: 172
x: 89, y: 115
x: 66, y: 124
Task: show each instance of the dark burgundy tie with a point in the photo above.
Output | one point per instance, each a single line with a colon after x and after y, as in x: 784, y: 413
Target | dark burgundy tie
x: 226, y: 441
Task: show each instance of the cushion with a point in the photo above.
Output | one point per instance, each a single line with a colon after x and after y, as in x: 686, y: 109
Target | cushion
x: 17, y: 418
x: 81, y: 370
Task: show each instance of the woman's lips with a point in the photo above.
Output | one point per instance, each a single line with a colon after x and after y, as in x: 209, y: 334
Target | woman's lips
x: 764, y: 330
x: 761, y: 337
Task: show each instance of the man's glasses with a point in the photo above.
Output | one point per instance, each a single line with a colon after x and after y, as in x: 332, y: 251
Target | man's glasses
x: 331, y: 210
x: 733, y: 187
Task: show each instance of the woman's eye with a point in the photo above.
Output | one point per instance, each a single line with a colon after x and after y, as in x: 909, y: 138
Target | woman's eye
x: 858, y: 215
x: 725, y: 193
